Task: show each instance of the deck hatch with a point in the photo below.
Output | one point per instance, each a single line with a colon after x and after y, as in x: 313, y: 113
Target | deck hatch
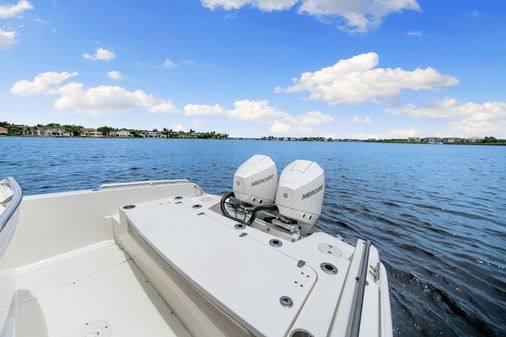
x: 239, y: 274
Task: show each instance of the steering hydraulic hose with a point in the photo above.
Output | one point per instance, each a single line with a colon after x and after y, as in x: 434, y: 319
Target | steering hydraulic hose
x: 253, y: 213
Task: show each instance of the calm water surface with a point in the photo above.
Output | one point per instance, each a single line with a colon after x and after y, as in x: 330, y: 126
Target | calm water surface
x: 437, y: 214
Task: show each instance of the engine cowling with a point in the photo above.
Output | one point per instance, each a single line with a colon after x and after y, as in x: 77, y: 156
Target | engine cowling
x: 300, y: 193
x: 255, y: 181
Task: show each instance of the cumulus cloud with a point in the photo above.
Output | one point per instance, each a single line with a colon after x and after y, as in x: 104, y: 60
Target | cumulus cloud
x: 359, y: 120
x: 260, y: 111
x: 359, y: 79
x: 115, y: 75
x: 95, y: 100
x: 14, y: 9
x: 203, y: 110
x: 43, y: 83
x: 7, y: 38
x: 101, y: 54
x: 349, y: 15
x: 169, y: 64
x: 466, y: 118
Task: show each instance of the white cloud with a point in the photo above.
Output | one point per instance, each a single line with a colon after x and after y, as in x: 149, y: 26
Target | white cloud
x: 357, y: 16
x: 11, y: 10
x: 348, y: 15
x: 169, y: 64
x: 7, y: 38
x: 101, y: 54
x: 203, y: 110
x: 115, y: 75
x: 41, y: 21
x: 415, y: 33
x: 260, y: 111
x: 43, y: 83
x: 469, y: 118
x: 358, y: 79
x: 188, y: 62
x: 94, y: 100
x: 359, y: 120
x: 104, y: 99
x: 403, y: 133
x: 255, y: 110
x: 178, y: 127
x: 265, y: 5
x: 314, y: 118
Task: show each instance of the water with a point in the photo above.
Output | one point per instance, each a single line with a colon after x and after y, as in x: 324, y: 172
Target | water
x: 436, y: 213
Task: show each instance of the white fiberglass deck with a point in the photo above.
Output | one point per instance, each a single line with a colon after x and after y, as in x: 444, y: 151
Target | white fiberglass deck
x: 97, y: 283
x: 237, y: 271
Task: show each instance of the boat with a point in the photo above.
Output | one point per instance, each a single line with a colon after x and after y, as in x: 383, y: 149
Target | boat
x: 165, y: 258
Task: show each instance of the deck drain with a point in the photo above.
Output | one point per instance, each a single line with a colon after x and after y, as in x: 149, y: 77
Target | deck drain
x: 275, y: 243
x: 197, y: 206
x: 128, y: 206
x: 329, y: 268
x: 95, y: 328
x: 286, y: 301
x: 301, y: 333
x: 239, y: 226
x: 178, y: 197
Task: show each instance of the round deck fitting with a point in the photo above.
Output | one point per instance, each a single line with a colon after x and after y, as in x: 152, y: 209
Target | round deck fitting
x: 275, y: 243
x: 328, y: 268
x: 128, y: 206
x: 301, y: 333
x: 286, y: 301
x: 239, y: 226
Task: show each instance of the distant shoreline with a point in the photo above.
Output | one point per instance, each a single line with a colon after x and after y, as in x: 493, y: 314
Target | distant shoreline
x: 313, y: 139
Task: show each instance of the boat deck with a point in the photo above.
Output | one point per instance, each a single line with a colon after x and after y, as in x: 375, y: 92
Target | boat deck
x: 94, y: 289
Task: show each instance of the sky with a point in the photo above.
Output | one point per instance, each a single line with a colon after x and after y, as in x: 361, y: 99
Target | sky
x: 334, y: 68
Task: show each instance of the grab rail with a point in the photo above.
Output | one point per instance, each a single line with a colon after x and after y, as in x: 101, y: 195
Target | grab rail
x: 356, y: 316
x: 140, y: 183
x: 13, y: 201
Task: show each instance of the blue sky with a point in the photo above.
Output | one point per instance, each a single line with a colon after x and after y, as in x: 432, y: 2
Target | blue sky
x: 340, y: 68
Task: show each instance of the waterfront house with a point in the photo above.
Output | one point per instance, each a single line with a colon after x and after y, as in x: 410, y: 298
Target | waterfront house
x: 120, y: 133
x: 414, y: 139
x: 52, y: 132
x: 474, y: 140
x: 452, y: 140
x: 151, y: 134
x: 88, y: 132
x: 432, y: 140
x: 3, y: 131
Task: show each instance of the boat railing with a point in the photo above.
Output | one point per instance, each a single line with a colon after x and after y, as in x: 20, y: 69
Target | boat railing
x: 140, y: 184
x: 11, y: 203
x: 356, y: 315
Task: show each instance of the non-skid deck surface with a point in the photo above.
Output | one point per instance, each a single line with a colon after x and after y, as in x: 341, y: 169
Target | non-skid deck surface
x: 56, y: 298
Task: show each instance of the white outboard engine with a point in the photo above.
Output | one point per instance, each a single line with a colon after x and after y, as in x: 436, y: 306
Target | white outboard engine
x: 300, y: 193
x: 255, y: 181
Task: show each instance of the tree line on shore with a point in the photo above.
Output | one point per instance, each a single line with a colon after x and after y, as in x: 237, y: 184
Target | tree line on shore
x: 71, y: 130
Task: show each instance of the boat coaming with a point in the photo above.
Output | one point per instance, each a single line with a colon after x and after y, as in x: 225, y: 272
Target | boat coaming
x: 81, y: 257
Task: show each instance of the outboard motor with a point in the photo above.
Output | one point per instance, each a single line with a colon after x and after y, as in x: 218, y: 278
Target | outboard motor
x: 255, y: 181
x: 300, y: 194
x: 254, y: 188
